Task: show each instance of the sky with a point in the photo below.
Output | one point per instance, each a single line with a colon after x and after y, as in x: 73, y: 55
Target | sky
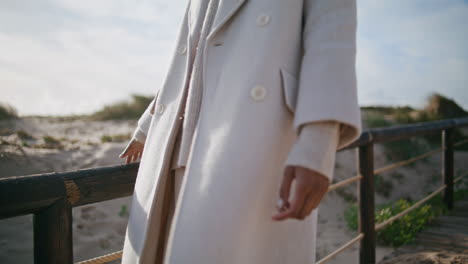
x: 60, y: 57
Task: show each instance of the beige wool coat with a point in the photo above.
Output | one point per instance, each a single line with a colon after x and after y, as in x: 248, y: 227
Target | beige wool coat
x: 270, y: 67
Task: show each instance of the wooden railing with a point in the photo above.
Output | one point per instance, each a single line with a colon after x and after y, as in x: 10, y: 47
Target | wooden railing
x: 50, y: 197
x: 366, y: 172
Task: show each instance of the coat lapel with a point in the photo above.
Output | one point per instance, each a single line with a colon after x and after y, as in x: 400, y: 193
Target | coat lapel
x: 226, y: 10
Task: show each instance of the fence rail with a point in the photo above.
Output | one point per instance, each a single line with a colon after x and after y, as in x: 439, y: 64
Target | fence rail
x: 50, y: 197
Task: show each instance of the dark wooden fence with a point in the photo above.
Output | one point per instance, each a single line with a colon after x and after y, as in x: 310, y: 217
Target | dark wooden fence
x: 50, y: 197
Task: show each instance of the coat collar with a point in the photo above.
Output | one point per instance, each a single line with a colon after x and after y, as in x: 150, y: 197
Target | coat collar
x: 226, y: 10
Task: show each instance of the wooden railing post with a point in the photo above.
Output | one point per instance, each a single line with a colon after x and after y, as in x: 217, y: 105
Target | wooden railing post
x: 53, y: 234
x: 447, y: 167
x: 366, y: 204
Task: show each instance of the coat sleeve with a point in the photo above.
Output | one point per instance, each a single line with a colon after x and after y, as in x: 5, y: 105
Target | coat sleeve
x: 315, y: 148
x: 144, y: 122
x: 327, y: 79
x: 141, y: 131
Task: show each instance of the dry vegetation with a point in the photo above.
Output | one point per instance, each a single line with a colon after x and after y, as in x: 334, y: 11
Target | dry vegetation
x: 7, y: 112
x: 123, y: 110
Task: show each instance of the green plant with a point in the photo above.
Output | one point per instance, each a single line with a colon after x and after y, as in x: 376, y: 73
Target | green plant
x: 404, y: 229
x: 376, y: 119
x: 123, y: 211
x: 351, y: 216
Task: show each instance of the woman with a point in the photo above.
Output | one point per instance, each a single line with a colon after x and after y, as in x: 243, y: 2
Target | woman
x: 258, y: 97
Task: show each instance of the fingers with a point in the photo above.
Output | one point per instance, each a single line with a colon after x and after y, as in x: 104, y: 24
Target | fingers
x: 283, y: 203
x: 293, y: 210
x: 318, y: 187
x: 309, y: 205
x: 132, y: 152
x: 125, y: 151
x: 310, y: 188
x: 131, y: 156
x: 302, y: 193
x: 140, y: 153
x: 296, y: 205
x: 136, y: 155
x: 286, y: 184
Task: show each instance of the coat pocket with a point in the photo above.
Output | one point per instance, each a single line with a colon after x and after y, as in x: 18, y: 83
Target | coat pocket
x: 289, y: 84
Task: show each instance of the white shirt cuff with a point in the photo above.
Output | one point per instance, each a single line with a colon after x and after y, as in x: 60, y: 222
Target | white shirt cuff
x: 315, y: 148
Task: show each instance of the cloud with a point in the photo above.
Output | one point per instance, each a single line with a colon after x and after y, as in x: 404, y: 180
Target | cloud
x: 147, y: 11
x: 64, y: 58
x: 407, y: 49
x: 67, y: 56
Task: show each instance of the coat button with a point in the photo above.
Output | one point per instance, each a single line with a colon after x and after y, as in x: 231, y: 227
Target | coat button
x: 263, y: 19
x: 160, y: 109
x: 182, y: 49
x: 258, y: 92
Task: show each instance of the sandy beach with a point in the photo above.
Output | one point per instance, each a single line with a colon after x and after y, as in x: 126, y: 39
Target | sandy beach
x: 100, y: 228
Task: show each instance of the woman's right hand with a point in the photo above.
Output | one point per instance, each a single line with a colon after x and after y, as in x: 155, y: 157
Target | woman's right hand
x: 133, y: 151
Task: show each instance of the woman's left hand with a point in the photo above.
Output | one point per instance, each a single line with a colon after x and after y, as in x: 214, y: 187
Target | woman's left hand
x: 133, y: 151
x: 310, y: 187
